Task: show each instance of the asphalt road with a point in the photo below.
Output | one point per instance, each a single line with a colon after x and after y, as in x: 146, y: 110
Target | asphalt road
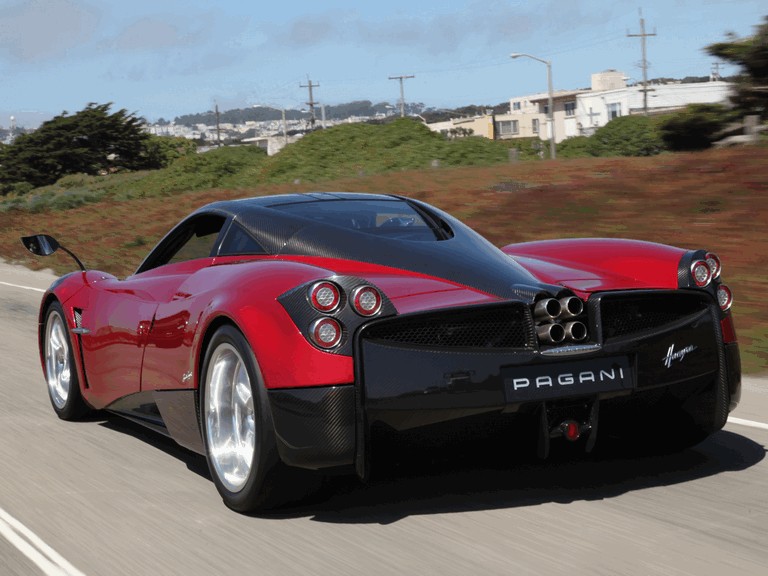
x: 103, y: 497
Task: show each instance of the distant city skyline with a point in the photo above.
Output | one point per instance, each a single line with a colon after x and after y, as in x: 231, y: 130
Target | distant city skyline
x: 176, y: 57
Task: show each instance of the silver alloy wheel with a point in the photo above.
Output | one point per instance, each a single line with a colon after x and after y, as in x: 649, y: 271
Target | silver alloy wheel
x: 230, y: 420
x: 57, y: 360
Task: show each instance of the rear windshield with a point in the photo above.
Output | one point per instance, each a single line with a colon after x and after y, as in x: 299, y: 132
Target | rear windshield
x: 390, y: 218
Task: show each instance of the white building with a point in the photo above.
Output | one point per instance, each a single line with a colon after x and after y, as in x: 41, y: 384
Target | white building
x: 595, y: 108
x: 581, y: 112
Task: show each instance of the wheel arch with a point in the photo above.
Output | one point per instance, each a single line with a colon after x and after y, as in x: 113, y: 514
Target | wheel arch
x: 48, y: 300
x: 210, y: 329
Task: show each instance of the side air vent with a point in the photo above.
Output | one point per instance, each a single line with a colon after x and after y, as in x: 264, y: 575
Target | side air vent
x: 627, y: 314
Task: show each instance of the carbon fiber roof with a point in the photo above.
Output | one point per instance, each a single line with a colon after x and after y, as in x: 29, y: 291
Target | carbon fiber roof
x: 465, y: 257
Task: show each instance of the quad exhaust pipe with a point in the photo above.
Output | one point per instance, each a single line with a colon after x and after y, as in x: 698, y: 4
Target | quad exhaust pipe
x: 555, y: 320
x: 576, y: 331
x: 571, y: 307
x: 550, y: 333
x: 547, y: 309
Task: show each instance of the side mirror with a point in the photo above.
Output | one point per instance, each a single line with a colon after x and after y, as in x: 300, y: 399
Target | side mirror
x: 44, y: 245
x: 40, y: 244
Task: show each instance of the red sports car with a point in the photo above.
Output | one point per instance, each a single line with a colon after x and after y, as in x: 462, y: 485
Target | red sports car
x: 286, y: 332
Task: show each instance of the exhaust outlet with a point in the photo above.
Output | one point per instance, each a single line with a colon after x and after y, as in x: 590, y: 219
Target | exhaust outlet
x: 576, y: 331
x: 552, y: 333
x: 571, y: 306
x: 547, y: 309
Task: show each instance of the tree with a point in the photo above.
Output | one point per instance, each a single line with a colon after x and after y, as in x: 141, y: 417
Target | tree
x: 695, y: 127
x: 160, y: 151
x: 751, y: 55
x: 90, y: 141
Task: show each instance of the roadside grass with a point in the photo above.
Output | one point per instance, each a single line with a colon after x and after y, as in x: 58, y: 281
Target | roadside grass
x: 715, y: 199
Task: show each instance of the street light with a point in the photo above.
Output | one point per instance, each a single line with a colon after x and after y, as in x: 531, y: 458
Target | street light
x: 551, y: 112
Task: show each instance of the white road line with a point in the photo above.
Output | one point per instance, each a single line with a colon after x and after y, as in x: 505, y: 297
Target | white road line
x: 750, y: 423
x: 22, y: 287
x: 50, y: 562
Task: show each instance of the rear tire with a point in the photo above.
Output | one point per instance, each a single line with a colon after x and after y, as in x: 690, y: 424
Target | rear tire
x: 60, y: 371
x: 237, y: 427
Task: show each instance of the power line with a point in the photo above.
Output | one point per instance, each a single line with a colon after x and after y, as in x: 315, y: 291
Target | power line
x: 643, y: 35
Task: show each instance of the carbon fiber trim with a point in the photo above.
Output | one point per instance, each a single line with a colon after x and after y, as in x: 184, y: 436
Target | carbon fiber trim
x: 722, y: 396
x: 733, y: 374
x: 315, y: 427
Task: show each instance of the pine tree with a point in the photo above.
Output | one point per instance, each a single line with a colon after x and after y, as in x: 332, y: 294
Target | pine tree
x: 751, y: 55
x: 91, y: 141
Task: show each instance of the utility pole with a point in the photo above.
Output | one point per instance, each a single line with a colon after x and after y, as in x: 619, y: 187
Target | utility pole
x: 643, y: 35
x: 714, y: 74
x: 218, y: 127
x: 285, y: 132
x: 311, y: 102
x: 402, y: 92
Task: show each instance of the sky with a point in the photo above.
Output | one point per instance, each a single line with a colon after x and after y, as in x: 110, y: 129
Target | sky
x: 165, y: 58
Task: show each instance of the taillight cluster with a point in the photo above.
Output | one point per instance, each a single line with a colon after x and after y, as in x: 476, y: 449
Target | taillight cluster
x: 328, y: 298
x: 707, y: 270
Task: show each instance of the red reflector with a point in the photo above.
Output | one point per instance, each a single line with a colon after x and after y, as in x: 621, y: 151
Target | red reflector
x: 729, y: 332
x: 571, y: 430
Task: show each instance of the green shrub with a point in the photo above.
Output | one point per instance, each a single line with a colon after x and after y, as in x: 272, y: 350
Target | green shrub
x: 575, y: 147
x: 626, y: 136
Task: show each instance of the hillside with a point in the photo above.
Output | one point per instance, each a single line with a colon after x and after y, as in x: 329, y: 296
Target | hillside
x: 716, y: 200
x: 338, y: 152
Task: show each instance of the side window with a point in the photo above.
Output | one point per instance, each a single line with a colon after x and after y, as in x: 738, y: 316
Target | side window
x: 238, y: 241
x: 192, y: 239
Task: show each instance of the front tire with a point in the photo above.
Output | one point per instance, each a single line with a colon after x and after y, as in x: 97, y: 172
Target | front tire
x: 237, y: 425
x: 60, y: 372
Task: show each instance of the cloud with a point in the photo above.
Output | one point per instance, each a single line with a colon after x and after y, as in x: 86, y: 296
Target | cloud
x: 153, y: 34
x: 40, y: 30
x: 490, y: 22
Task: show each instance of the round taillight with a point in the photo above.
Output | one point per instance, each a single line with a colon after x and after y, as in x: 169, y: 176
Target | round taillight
x: 701, y: 273
x: 366, y: 300
x: 325, y: 333
x: 714, y: 264
x: 324, y: 296
x: 724, y: 297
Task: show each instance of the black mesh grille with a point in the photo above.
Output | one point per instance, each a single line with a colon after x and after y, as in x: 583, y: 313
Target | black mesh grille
x: 494, y: 327
x: 626, y: 315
